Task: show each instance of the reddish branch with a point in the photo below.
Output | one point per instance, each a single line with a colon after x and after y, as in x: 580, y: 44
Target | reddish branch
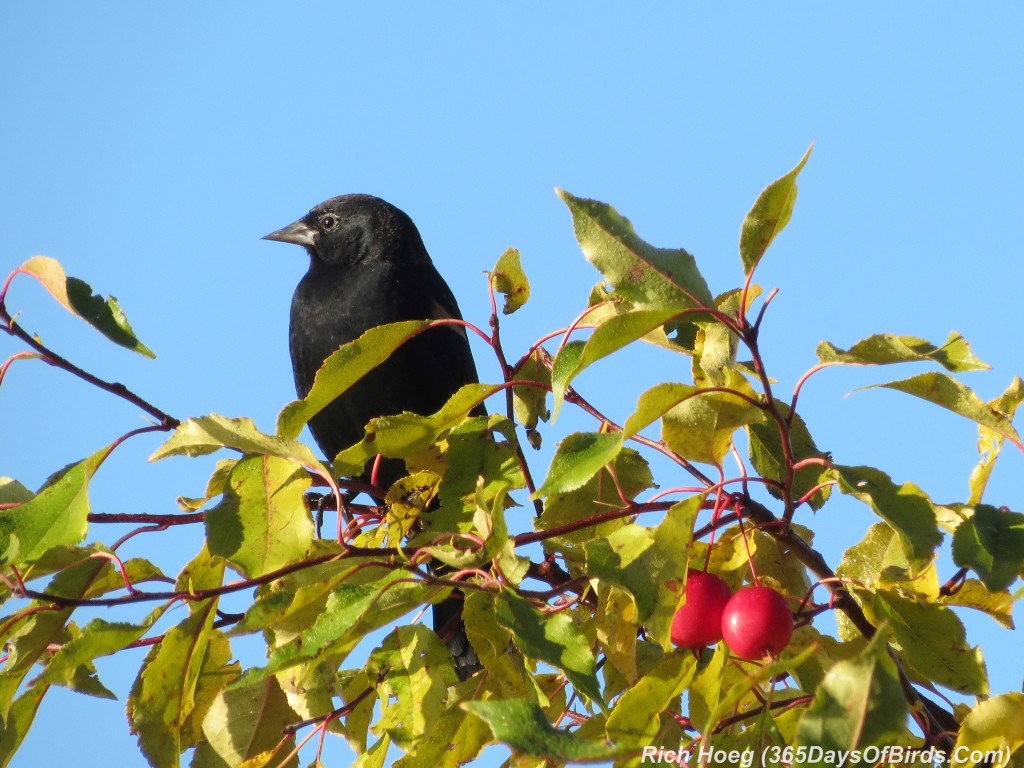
x: 935, y: 721
x: 9, y: 326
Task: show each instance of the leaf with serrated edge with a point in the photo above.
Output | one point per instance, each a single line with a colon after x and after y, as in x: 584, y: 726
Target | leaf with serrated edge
x: 769, y: 459
x: 635, y: 720
x: 996, y: 724
x: 702, y: 428
x: 651, y: 564
x: 203, y: 435
x: 553, y: 639
x: 933, y: 641
x: 248, y: 720
x: 343, y: 368
x: 77, y: 297
x: 950, y: 394
x: 991, y: 543
x: 522, y: 725
x: 98, y: 638
x: 990, y: 443
x: 886, y: 349
x: 578, y: 458
x: 413, y: 677
x: 261, y: 524
x: 648, y: 277
x: 769, y: 215
x: 56, y: 516
x: 161, y: 699
x: 906, y: 508
x: 405, y: 434
x: 860, y: 703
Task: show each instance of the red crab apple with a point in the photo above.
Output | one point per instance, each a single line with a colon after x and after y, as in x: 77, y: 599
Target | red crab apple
x: 757, y: 621
x: 698, y: 622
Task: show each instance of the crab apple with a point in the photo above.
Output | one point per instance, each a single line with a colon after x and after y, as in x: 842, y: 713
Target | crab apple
x: 757, y: 621
x: 698, y: 622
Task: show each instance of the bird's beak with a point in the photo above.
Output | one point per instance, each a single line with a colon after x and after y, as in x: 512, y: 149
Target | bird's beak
x: 298, y: 232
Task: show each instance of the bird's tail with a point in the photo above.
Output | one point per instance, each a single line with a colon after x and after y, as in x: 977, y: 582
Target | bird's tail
x: 449, y: 626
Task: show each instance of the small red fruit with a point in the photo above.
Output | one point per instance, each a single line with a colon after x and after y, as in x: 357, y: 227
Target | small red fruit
x: 698, y: 621
x: 757, y: 621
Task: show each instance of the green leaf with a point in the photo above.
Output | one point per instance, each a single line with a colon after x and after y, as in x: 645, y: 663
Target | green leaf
x: 480, y: 447
x: 702, y: 428
x: 711, y: 678
x: 56, y: 516
x: 864, y: 563
x: 563, y: 368
x: 650, y: 564
x: 612, y: 335
x: 933, y: 642
x: 350, y: 685
x: 457, y: 738
x: 769, y: 216
x: 859, y: 704
x: 553, y: 639
x: 342, y: 369
x: 18, y: 720
x: 522, y: 725
x: 98, y: 638
x: 885, y: 349
x: 202, y: 572
x: 294, y: 602
x: 261, y: 524
x: 698, y: 423
x: 973, y: 594
x: 206, y: 434
x: 991, y: 543
x: 866, y: 560
x: 13, y: 492
x: 990, y: 443
x: 509, y: 279
x: 491, y: 642
x: 245, y: 721
x: 774, y: 558
x: 949, y: 393
x: 411, y: 690
x: 350, y: 612
x: 906, y: 508
x: 105, y: 315
x: 530, y: 403
x: 406, y: 434
x: 636, y: 718
x: 768, y: 457
x: 743, y: 684
x: 655, y: 403
x: 163, y: 698
x: 617, y: 623
x: 648, y: 277
x: 578, y: 458
x: 374, y: 757
x: 214, y: 487
x: 996, y: 724
x: 601, y: 492
x: 30, y: 639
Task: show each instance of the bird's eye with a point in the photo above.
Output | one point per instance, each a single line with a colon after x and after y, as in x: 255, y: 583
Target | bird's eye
x: 327, y: 223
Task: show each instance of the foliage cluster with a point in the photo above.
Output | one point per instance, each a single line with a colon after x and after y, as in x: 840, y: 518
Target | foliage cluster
x: 570, y: 584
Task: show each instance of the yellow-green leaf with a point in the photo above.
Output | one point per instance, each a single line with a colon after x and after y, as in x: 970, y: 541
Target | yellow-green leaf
x: 105, y: 315
x: 509, y: 279
x: 769, y: 216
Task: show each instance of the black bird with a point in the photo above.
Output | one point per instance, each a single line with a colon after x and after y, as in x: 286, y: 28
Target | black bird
x: 368, y: 267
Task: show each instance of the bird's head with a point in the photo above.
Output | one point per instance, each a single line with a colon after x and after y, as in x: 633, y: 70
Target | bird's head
x: 350, y: 229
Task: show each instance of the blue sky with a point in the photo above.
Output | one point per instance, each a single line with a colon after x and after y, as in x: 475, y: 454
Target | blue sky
x: 149, y: 147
